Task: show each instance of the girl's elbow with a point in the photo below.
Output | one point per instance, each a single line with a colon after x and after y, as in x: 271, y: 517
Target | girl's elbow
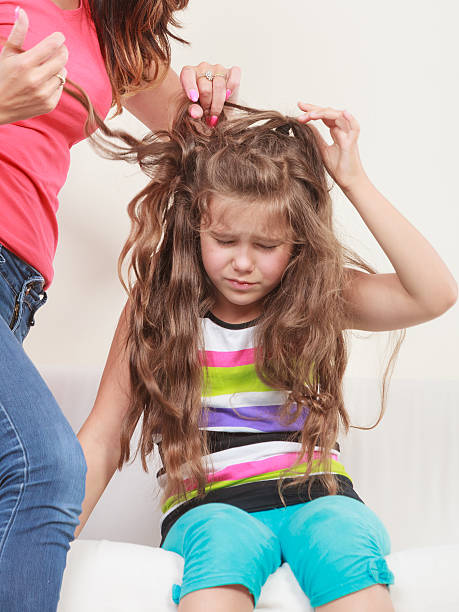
x: 449, y: 298
x: 452, y: 298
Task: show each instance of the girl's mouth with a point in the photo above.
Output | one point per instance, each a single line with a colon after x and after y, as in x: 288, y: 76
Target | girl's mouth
x: 240, y: 284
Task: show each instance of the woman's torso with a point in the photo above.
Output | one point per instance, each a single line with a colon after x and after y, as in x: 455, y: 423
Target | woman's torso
x: 34, y: 153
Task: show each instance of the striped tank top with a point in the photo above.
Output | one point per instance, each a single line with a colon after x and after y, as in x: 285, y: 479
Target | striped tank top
x: 250, y: 449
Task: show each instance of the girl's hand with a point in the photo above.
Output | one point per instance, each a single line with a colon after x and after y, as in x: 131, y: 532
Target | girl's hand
x: 29, y: 85
x: 211, y: 93
x: 341, y: 158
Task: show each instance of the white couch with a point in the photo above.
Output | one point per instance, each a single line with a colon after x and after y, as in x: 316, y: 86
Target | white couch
x: 406, y: 470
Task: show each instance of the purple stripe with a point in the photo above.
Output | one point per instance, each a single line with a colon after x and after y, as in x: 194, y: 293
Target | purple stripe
x: 263, y: 418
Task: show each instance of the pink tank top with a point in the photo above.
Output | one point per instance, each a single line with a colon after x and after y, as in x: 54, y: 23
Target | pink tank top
x: 35, y: 153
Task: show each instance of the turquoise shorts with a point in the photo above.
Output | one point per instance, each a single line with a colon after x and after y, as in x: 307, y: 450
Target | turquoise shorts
x: 335, y: 545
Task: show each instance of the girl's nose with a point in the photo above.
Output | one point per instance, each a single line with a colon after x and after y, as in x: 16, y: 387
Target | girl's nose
x: 242, y: 262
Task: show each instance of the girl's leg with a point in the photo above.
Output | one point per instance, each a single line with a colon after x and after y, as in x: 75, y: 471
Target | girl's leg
x: 228, y: 557
x: 372, y: 599
x: 42, y: 471
x: 218, y: 599
x: 336, y: 546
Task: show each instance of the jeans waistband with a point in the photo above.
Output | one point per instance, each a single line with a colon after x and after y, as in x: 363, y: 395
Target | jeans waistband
x: 20, y: 272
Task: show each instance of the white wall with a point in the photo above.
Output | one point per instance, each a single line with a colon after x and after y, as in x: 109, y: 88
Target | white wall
x: 392, y: 64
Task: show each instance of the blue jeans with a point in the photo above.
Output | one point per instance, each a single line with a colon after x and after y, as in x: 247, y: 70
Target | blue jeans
x: 42, y: 465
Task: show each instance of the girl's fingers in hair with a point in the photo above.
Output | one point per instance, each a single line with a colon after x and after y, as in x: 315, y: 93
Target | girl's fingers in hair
x: 233, y: 82
x: 218, y: 93
x: 304, y: 106
x: 330, y: 117
x: 323, y: 145
x: 188, y: 80
x: 308, y: 109
x: 354, y: 124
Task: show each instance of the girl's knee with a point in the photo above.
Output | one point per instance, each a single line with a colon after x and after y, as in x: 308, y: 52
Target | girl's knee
x: 335, y: 546
x: 223, y: 545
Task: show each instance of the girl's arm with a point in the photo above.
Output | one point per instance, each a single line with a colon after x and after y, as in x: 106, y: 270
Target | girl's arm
x: 100, y: 434
x: 422, y: 287
x: 155, y: 106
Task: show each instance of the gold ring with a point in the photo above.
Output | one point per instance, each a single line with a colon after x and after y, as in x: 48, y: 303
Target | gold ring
x: 61, y: 79
x: 220, y: 75
x: 209, y: 75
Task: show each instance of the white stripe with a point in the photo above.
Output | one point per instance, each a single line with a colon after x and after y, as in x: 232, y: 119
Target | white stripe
x: 249, y: 398
x: 218, y: 338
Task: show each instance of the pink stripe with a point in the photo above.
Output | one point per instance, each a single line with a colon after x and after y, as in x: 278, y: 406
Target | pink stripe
x: 254, y: 468
x: 229, y: 359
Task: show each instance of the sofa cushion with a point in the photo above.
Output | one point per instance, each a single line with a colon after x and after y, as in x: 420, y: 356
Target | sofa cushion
x: 105, y: 576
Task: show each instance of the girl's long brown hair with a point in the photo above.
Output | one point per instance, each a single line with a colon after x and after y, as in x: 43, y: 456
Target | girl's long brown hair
x: 257, y: 156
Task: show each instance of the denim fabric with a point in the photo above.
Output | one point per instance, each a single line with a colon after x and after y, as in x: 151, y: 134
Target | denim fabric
x: 42, y: 465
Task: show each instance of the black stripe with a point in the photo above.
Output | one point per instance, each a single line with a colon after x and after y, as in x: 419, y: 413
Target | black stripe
x: 257, y: 496
x: 220, y: 323
x: 223, y: 440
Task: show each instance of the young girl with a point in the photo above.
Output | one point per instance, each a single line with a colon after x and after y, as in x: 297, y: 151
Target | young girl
x: 232, y: 348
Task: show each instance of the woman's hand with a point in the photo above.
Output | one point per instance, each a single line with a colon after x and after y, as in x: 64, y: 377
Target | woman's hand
x: 29, y: 85
x: 341, y: 158
x: 211, y: 92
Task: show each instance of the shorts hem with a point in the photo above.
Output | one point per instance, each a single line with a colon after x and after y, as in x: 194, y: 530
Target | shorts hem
x: 346, y: 589
x: 216, y: 582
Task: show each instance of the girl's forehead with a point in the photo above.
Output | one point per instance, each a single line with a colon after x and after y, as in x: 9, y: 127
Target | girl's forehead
x: 242, y: 215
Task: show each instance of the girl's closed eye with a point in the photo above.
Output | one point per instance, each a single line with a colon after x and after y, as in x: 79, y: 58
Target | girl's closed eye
x: 268, y: 247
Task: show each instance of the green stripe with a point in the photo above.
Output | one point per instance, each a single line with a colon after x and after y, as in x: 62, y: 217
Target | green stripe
x: 237, y: 379
x: 336, y: 468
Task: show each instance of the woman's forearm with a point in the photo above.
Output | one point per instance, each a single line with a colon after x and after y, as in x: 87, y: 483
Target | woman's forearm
x: 418, y: 266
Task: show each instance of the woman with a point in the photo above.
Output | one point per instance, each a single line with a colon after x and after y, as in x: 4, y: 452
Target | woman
x: 119, y: 54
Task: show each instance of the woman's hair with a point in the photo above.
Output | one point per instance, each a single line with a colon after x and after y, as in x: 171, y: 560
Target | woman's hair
x: 261, y: 157
x: 134, y: 40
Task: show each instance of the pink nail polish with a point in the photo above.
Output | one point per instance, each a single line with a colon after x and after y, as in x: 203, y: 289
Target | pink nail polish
x: 213, y: 121
x: 194, y: 113
x: 228, y: 93
x: 16, y: 13
x: 193, y: 95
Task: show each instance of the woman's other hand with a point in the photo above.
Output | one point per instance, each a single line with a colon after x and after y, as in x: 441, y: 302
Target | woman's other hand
x: 29, y: 85
x: 341, y: 158
x: 210, y: 91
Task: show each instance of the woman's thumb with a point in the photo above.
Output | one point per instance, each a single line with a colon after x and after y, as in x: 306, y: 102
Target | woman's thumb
x: 17, y: 35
